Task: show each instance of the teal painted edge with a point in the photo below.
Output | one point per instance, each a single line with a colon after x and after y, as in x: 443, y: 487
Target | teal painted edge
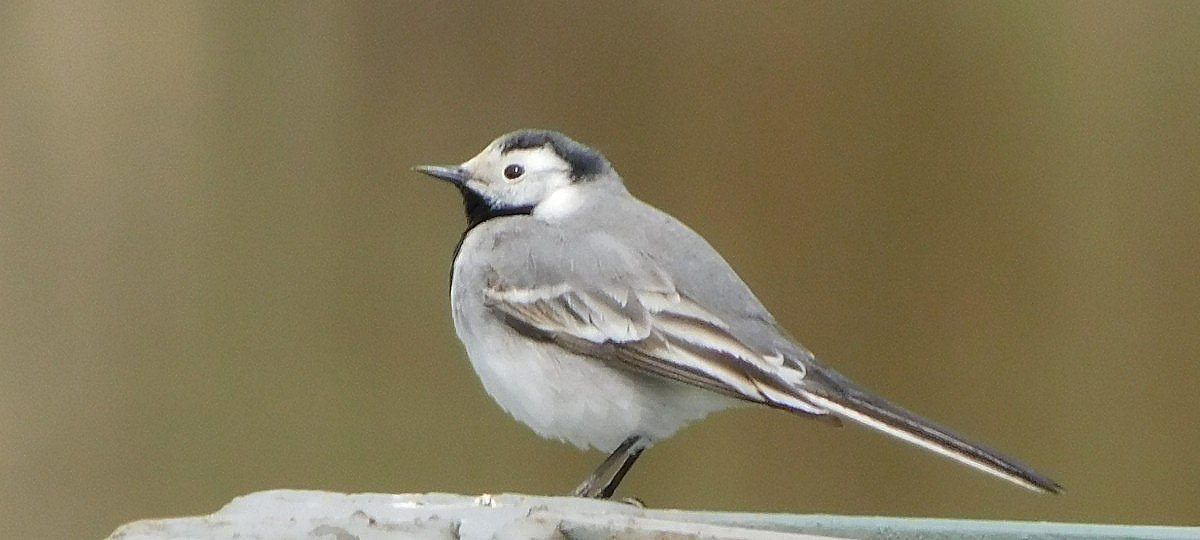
x: 867, y: 527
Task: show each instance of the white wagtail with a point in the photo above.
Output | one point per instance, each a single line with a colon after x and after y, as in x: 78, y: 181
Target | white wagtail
x: 599, y: 320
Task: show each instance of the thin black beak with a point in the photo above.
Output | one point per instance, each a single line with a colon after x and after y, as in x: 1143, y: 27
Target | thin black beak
x: 454, y: 174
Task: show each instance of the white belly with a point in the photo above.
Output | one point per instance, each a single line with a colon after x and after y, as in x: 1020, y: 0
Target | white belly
x: 571, y: 398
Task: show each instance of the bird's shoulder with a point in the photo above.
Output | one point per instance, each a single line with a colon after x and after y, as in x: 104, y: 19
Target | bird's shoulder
x: 523, y: 252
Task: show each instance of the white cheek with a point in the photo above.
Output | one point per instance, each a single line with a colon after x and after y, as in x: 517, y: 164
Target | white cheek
x: 559, y: 204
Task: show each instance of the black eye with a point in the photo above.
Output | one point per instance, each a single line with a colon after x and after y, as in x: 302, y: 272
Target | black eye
x: 511, y: 172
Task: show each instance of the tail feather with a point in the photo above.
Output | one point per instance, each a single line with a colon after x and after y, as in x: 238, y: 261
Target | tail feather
x: 876, y: 413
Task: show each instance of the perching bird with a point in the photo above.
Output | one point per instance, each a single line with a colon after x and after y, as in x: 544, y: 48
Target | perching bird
x: 597, y: 319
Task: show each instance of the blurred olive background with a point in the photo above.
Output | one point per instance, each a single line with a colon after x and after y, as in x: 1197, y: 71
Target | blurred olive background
x: 219, y: 275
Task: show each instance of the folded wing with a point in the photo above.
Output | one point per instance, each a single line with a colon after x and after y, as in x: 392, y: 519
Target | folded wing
x: 647, y: 326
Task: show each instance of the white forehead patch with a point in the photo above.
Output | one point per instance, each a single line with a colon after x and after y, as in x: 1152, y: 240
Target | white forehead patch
x: 559, y: 204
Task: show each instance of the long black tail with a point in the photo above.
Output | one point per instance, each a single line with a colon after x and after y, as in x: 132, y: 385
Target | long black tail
x: 854, y: 404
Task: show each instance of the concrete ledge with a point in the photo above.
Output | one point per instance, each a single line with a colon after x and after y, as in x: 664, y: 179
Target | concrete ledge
x: 288, y: 514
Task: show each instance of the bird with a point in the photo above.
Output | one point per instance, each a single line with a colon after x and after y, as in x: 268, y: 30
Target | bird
x: 599, y: 320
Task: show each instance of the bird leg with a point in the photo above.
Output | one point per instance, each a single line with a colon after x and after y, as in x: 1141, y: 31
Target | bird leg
x: 603, y: 481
